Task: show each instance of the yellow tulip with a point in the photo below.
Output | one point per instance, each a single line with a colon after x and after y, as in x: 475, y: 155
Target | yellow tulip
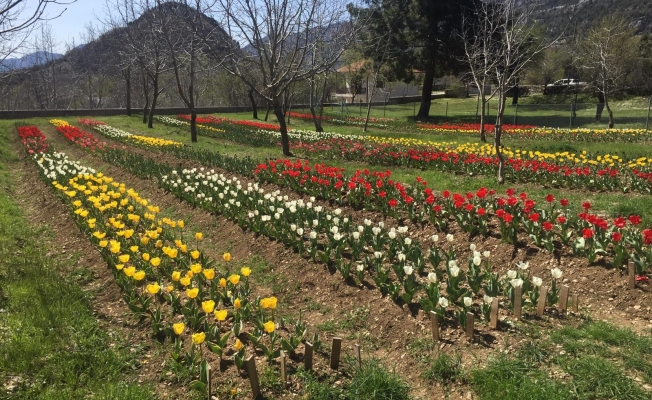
x: 119, y: 266
x: 159, y: 244
x: 139, y: 275
x: 269, y: 326
x: 220, y: 315
x: 169, y: 288
x: 134, y: 249
x: 155, y: 262
x: 238, y: 345
x: 234, y: 279
x: 222, y: 282
x: 226, y: 257
x: 103, y: 243
x: 144, y: 240
x: 236, y: 304
x: 181, y: 224
x: 145, y: 256
x: 208, y: 306
x: 198, y: 338
x: 183, y: 248
x: 153, y: 288
x: 245, y: 271
x: 124, y: 258
x: 195, y: 268
x: 129, y: 271
x: 176, y: 275
x: 178, y: 328
x: 192, y: 293
x: 209, y: 274
x: 172, y: 253
x: 185, y: 281
x: 194, y: 254
x: 268, y: 302
x: 199, y: 236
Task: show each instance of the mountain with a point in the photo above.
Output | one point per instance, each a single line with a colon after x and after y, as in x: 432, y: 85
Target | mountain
x: 29, y: 60
x: 554, y: 14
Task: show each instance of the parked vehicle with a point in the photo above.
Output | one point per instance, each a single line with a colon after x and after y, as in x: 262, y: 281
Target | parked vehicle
x: 563, y: 85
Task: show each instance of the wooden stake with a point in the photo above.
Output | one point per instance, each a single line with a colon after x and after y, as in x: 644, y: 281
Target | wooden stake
x: 575, y: 302
x: 307, y: 356
x: 632, y: 274
x: 283, y: 370
x: 541, y: 305
x: 434, y: 320
x: 253, y: 376
x: 563, y: 298
x: 493, y: 320
x: 335, y: 352
x: 358, y: 358
x: 518, y: 301
x: 470, y: 324
x: 208, y: 381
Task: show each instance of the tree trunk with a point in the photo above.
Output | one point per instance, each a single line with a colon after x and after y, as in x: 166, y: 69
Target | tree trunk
x: 285, y: 140
x: 193, y: 126
x: 146, y: 95
x: 498, y: 134
x: 483, y: 110
x: 609, y: 112
x: 150, y: 123
x: 317, y: 119
x: 426, y: 95
x: 253, y: 103
x: 128, y: 82
x: 267, y: 112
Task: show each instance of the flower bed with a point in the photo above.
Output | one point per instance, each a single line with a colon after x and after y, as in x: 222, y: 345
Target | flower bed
x: 120, y: 135
x: 76, y: 135
x: 544, y: 133
x: 165, y: 277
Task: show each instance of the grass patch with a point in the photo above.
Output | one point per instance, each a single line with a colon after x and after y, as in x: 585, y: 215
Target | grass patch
x: 595, y: 360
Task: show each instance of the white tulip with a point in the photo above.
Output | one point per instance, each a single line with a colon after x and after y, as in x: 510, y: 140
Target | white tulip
x: 511, y: 274
x: 435, y: 238
x: 455, y: 271
x: 556, y: 273
x: 313, y: 235
x: 536, y: 281
x: 477, y: 261
x: 486, y: 254
x: 450, y: 238
x: 300, y: 231
x: 401, y: 257
x: 359, y: 267
x: 378, y: 254
x: 472, y: 247
x: 517, y: 282
x: 523, y: 265
x: 402, y: 229
x: 408, y: 269
x: 432, y: 277
x: 488, y: 299
x: 443, y: 302
x: 408, y: 241
x: 468, y: 301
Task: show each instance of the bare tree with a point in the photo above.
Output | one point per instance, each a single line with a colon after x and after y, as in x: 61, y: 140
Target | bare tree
x: 17, y: 22
x: 501, y: 39
x: 279, y: 37
x: 608, y: 54
x: 142, y: 45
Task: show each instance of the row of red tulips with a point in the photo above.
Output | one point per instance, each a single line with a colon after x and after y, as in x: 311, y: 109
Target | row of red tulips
x: 550, y: 225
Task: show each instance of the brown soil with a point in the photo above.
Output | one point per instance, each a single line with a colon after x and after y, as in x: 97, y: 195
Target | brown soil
x: 384, y: 331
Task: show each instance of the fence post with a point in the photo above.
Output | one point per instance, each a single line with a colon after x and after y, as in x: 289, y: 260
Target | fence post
x: 647, y: 120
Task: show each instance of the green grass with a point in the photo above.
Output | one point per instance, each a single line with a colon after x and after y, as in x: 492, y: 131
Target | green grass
x: 372, y: 381
x: 50, y: 343
x: 595, y: 360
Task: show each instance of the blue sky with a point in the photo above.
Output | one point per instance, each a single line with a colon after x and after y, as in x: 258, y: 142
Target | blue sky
x: 71, y: 23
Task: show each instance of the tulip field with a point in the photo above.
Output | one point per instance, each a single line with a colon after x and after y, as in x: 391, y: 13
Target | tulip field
x: 223, y: 268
